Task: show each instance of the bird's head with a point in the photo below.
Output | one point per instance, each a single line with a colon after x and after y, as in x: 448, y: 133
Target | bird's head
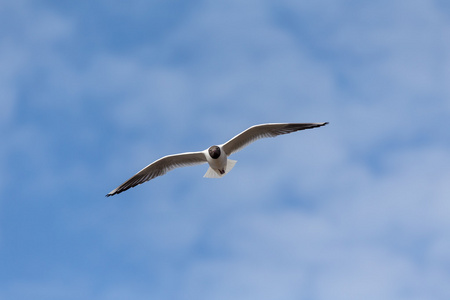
x: 214, y: 151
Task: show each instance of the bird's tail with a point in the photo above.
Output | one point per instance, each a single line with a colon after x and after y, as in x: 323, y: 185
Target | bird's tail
x: 211, y: 173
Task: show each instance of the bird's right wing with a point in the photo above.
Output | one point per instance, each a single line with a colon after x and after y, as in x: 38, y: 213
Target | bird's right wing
x: 161, y: 167
x: 256, y: 132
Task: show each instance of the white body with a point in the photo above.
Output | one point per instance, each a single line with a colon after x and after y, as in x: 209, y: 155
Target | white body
x: 220, y: 166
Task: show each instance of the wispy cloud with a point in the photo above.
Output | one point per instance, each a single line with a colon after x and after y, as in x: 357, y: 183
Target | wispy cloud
x: 356, y: 209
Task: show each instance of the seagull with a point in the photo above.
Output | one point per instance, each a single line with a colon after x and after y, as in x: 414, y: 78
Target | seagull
x: 216, y: 156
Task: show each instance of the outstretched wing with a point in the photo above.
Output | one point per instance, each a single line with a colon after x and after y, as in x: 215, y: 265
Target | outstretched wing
x: 161, y: 167
x: 256, y: 132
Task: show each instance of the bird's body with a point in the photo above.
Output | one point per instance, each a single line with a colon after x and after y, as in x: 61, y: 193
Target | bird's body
x: 218, y: 161
x: 215, y: 156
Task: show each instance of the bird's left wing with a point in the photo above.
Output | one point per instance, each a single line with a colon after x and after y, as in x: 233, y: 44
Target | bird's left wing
x: 161, y: 167
x: 262, y: 131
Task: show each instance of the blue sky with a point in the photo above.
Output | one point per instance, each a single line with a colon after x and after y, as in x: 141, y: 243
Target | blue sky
x: 92, y: 91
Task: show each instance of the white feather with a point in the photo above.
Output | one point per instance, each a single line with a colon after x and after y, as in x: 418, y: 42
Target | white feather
x: 230, y: 165
x: 211, y: 173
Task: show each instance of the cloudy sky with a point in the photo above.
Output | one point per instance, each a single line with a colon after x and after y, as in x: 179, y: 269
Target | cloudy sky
x: 92, y: 91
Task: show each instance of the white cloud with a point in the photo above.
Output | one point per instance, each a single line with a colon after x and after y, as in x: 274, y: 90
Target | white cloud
x: 353, y: 210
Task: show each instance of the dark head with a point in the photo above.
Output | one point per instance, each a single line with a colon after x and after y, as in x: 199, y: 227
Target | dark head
x: 214, y: 151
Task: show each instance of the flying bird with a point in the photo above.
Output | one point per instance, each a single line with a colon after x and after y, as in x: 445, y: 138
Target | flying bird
x: 215, y: 156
